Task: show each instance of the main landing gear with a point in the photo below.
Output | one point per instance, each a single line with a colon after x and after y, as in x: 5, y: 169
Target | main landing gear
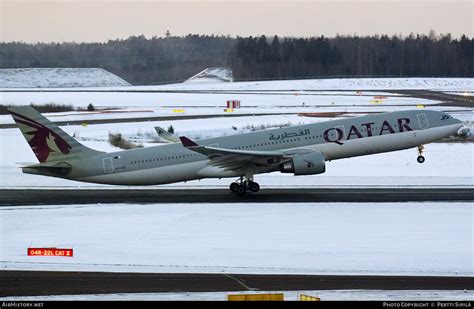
x: 241, y: 186
x: 420, y: 158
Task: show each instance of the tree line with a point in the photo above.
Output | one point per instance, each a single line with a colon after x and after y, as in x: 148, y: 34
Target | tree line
x: 159, y: 60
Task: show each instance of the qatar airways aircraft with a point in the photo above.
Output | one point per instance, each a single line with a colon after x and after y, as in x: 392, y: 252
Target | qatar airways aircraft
x: 301, y: 150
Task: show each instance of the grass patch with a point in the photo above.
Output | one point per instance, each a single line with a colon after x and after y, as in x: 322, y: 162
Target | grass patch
x: 43, y: 108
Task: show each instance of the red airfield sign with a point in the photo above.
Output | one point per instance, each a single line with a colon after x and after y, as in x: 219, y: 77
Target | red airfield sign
x: 50, y: 252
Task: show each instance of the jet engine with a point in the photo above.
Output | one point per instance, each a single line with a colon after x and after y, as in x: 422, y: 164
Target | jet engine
x: 305, y: 164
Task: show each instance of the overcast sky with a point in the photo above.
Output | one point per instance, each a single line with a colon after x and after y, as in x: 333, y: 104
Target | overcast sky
x: 101, y: 20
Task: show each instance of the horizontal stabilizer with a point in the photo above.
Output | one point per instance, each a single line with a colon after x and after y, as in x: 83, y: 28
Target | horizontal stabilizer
x: 25, y: 163
x: 59, y: 169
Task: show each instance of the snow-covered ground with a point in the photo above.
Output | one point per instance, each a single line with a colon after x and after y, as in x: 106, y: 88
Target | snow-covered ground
x: 355, y: 84
x: 209, y: 98
x: 309, y: 238
x: 58, y: 77
x: 170, y: 111
x: 439, y: 84
x: 324, y: 295
x: 212, y: 75
x: 164, y: 100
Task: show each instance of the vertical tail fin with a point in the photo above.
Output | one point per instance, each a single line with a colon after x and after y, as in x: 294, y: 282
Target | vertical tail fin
x: 166, y: 135
x: 47, y: 140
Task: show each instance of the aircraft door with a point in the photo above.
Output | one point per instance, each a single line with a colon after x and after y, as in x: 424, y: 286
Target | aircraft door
x: 423, y: 121
x: 108, y: 165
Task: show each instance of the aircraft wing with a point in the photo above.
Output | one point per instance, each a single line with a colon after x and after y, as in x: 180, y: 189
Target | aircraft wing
x: 231, y: 159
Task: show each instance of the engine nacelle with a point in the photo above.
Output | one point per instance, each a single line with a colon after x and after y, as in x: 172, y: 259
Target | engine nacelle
x: 305, y: 164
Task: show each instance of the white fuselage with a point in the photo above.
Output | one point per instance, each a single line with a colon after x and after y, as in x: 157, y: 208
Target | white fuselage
x: 175, y: 163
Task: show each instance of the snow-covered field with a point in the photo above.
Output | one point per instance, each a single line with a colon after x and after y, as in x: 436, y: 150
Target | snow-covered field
x: 291, y: 96
x: 311, y: 238
x: 163, y: 100
x: 438, y: 84
x: 331, y: 84
x: 58, y: 77
x: 218, y: 111
x: 216, y: 74
x: 324, y: 295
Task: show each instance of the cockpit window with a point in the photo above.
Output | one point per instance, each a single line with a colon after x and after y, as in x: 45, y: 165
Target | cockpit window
x: 444, y: 117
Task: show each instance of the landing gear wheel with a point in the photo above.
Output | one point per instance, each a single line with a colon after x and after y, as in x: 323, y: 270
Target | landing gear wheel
x: 253, y: 186
x: 420, y: 158
x: 233, y: 187
x: 243, y: 185
x: 241, y: 190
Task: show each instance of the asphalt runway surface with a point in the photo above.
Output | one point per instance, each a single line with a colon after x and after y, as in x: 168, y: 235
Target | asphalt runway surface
x: 61, y: 196
x: 23, y: 283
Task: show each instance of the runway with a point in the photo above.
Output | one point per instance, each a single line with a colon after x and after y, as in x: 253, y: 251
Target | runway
x: 34, y: 283
x: 61, y: 196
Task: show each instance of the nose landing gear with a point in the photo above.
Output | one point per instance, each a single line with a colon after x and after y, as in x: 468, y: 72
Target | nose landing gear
x: 241, y: 186
x: 420, y: 158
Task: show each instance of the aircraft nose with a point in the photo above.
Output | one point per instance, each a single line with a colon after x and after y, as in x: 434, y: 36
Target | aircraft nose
x: 448, y: 119
x: 459, y: 124
x: 452, y: 120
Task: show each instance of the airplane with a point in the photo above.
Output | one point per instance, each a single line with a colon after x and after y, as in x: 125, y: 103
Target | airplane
x: 300, y: 150
x: 167, y: 136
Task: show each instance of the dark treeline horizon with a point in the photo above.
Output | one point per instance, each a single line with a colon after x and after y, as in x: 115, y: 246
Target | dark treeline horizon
x: 167, y: 59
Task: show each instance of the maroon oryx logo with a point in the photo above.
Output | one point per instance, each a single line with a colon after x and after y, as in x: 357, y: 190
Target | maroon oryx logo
x: 41, y: 139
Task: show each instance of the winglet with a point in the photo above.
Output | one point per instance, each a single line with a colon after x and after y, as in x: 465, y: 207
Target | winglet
x: 187, y: 142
